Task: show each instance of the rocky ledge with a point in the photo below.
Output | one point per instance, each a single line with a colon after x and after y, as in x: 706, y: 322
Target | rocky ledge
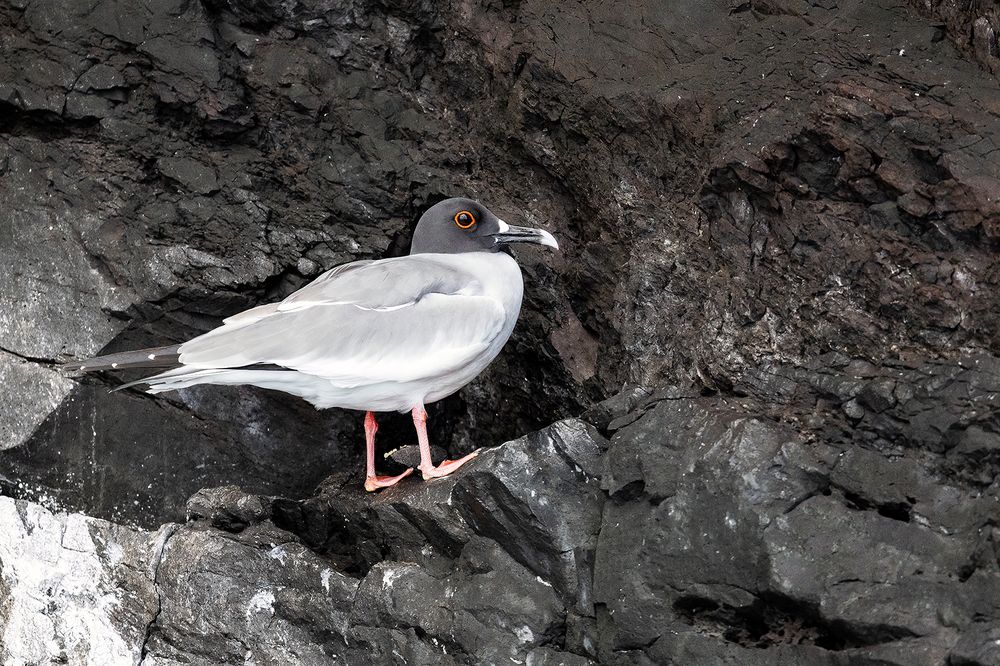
x: 670, y: 528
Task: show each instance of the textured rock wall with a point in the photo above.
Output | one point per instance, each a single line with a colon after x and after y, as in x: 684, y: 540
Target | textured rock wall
x: 775, y: 308
x: 481, y: 569
x: 971, y: 25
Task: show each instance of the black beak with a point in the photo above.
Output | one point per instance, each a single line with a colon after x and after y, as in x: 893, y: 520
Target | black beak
x: 512, y: 234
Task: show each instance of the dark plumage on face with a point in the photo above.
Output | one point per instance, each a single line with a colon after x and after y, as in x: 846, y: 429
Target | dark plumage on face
x: 461, y: 225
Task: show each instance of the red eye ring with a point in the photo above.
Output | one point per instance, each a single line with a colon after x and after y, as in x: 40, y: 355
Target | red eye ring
x: 465, y: 220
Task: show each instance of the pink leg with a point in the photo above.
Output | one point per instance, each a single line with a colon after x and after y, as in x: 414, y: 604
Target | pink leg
x: 427, y: 468
x: 373, y: 482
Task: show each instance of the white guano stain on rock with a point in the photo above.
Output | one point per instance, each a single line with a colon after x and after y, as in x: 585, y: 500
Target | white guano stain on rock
x: 325, y: 578
x: 65, y: 599
x: 277, y: 553
x: 261, y: 601
x: 389, y: 576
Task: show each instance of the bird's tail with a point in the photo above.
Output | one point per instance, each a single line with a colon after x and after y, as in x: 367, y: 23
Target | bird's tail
x: 179, y: 376
x: 154, y: 357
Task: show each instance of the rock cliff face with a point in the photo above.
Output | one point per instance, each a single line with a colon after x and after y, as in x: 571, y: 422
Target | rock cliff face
x: 768, y: 345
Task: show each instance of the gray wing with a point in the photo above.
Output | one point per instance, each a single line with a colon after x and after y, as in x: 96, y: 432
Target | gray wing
x: 383, y: 284
x: 391, y: 320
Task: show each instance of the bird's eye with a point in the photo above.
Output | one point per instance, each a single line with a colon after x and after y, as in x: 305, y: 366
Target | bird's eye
x: 465, y: 220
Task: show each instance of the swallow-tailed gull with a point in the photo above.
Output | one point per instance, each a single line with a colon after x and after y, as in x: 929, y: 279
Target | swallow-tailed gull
x: 376, y: 335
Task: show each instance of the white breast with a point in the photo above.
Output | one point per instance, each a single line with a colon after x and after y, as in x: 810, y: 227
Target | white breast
x: 497, y: 277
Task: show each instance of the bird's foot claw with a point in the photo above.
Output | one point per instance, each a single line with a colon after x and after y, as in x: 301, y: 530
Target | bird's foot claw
x: 446, y: 467
x: 373, y: 483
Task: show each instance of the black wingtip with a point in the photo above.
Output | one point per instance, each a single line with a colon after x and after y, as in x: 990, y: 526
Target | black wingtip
x: 154, y: 357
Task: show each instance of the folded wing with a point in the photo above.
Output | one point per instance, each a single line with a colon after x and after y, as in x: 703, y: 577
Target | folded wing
x: 397, y: 319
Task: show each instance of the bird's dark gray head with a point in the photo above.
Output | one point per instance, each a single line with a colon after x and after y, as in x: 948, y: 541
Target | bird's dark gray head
x: 460, y: 225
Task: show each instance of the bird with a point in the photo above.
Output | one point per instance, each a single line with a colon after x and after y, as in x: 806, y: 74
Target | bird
x: 380, y: 335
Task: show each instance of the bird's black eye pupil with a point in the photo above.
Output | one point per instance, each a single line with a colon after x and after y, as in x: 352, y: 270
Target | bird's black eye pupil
x: 464, y: 218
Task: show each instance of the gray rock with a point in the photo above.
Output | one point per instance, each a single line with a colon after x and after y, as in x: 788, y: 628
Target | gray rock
x: 538, y: 497
x: 979, y: 645
x: 76, y: 589
x: 724, y: 535
x: 490, y: 609
x: 273, y: 604
x: 49, y: 273
x: 236, y: 586
x: 100, y: 77
x: 319, y: 133
x: 812, y: 538
x: 777, y: 292
x: 190, y: 173
x: 42, y: 391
